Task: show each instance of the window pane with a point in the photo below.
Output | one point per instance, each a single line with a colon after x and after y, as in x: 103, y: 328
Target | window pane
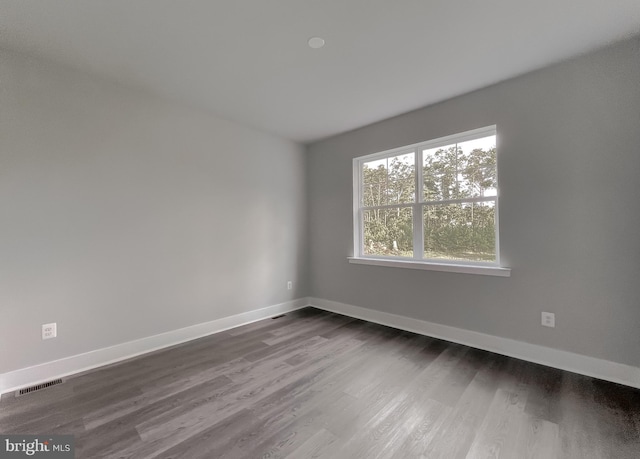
x: 388, y: 232
x: 460, y: 231
x: 402, y: 179
x: 374, y: 182
x: 460, y: 170
x: 479, y: 173
x: 389, y: 181
x: 439, y: 173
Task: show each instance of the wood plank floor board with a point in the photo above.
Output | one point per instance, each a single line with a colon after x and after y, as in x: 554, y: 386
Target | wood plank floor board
x: 65, y: 410
x: 537, y: 439
x: 287, y: 345
x: 150, y: 406
x: 141, y: 373
x: 297, y: 423
x: 344, y: 367
x: 579, y: 425
x: 619, y: 411
x: 497, y: 435
x: 315, y: 447
x: 323, y: 386
x: 218, y: 441
x: 544, y: 394
x: 274, y: 323
x: 107, y: 440
x: 314, y: 328
x: 312, y: 384
x: 278, y: 360
x: 382, y: 433
x: 416, y: 428
x: 391, y: 361
x: 170, y: 428
x: 305, y: 321
x: 458, y: 429
x: 422, y: 423
x: 354, y: 325
x: 379, y: 395
x: 461, y: 375
x: 282, y: 437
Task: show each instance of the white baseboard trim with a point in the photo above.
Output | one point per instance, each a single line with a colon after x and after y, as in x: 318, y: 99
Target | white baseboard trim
x: 563, y: 360
x: 576, y: 363
x: 67, y: 366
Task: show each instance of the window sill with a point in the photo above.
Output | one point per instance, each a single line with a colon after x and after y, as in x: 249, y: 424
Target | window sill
x: 431, y: 266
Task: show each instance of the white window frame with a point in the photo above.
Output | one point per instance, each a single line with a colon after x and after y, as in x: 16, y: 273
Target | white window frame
x: 417, y: 262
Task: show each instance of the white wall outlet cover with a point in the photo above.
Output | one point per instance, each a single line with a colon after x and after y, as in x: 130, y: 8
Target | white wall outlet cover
x: 49, y: 331
x: 548, y: 319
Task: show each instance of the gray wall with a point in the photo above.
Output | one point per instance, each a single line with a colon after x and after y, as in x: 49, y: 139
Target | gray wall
x: 569, y: 167
x: 123, y: 216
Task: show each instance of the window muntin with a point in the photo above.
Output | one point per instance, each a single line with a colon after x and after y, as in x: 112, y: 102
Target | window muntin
x: 434, y: 201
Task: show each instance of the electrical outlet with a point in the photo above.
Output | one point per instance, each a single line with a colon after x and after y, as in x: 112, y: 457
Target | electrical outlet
x: 289, y: 285
x: 49, y: 331
x: 549, y: 319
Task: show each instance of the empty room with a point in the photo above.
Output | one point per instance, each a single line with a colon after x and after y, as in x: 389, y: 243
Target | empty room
x: 304, y: 229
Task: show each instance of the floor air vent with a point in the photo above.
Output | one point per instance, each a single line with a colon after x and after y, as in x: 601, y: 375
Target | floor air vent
x: 41, y: 386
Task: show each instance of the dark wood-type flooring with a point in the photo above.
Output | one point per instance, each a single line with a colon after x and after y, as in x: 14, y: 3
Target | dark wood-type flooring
x: 313, y: 384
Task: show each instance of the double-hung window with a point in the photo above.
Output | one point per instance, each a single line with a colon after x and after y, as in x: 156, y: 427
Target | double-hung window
x: 432, y: 203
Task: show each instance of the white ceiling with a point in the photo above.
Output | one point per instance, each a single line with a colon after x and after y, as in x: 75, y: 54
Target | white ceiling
x: 248, y: 60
